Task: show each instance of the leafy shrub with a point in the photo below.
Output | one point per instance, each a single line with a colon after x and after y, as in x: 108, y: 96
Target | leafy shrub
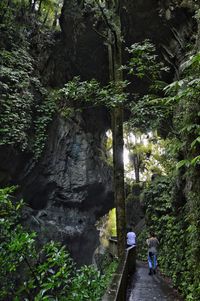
x: 26, y: 109
x: 16, y: 101
x: 177, y: 235
x: 78, y: 93
x: 141, y: 244
x: 28, y: 272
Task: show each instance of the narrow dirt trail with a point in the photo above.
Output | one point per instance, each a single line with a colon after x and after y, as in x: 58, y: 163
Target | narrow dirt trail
x: 144, y: 287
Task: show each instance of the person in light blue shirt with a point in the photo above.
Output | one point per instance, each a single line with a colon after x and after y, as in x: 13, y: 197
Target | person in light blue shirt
x: 130, y: 238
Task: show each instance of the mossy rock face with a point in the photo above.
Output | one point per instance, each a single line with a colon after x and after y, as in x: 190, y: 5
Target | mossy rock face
x: 137, y: 189
x: 134, y: 210
x: 188, y: 4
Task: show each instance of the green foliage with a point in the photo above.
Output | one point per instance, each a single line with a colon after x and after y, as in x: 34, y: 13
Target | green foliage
x: 16, y: 101
x: 44, y: 114
x: 149, y: 111
x: 144, y: 62
x: 158, y: 193
x: 141, y: 244
x: 42, y: 12
x: 26, y: 109
x: 49, y: 11
x: 78, y: 93
x: 184, y: 95
x: 172, y: 202
x: 178, y: 234
x: 148, y: 153
x: 112, y: 228
x: 53, y: 273
x: 16, y: 244
x: 28, y: 272
x: 87, y: 285
x: 104, y: 13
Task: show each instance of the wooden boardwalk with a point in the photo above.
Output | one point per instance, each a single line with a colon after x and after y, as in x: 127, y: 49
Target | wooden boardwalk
x: 144, y: 287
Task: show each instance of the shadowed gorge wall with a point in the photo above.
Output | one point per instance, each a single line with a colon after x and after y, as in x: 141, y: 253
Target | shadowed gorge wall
x: 69, y: 188
x: 84, y: 52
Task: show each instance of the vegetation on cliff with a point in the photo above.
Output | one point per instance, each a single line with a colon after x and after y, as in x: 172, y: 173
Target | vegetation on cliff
x: 26, y: 107
x: 172, y: 201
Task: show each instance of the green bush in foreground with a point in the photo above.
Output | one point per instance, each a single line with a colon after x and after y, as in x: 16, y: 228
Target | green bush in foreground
x: 178, y: 236
x: 29, y: 273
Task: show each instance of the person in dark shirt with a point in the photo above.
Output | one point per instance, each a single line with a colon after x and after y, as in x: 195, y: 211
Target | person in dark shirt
x: 152, y: 243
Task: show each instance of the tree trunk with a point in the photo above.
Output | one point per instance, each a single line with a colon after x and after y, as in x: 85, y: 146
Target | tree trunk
x: 55, y: 19
x: 46, y: 17
x: 116, y: 75
x: 30, y: 5
x: 118, y: 166
x: 39, y: 7
x: 136, y: 164
x: 33, y: 6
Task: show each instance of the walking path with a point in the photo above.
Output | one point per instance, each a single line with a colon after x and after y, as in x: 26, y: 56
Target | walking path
x: 149, y: 288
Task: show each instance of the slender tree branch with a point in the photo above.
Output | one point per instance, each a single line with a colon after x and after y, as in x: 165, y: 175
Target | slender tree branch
x: 32, y: 271
x: 106, y: 20
x: 100, y: 34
